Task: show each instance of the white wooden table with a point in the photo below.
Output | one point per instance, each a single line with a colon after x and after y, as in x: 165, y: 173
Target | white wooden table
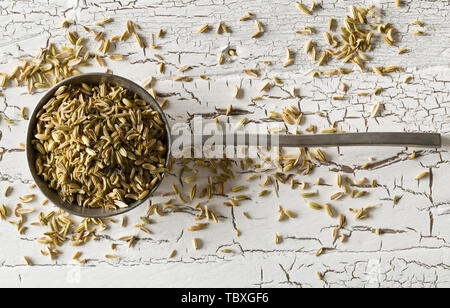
x: 414, y: 249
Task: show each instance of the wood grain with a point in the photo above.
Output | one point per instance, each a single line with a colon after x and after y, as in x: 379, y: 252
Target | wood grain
x: 413, y: 250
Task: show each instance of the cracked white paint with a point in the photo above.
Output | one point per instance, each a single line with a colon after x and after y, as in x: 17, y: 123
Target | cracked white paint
x: 415, y: 249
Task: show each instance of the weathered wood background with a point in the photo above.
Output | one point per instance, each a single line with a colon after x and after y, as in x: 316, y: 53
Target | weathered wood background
x: 413, y: 251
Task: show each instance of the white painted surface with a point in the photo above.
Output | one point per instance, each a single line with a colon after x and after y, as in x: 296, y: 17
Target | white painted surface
x: 414, y: 253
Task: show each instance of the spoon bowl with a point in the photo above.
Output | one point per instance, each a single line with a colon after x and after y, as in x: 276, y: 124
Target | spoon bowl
x: 94, y: 79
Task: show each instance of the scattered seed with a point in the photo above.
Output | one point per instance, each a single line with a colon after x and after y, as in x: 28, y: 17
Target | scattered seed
x: 341, y: 220
x: 308, y: 46
x: 395, y: 200
x: 377, y: 91
x: 221, y: 59
x: 3, y: 212
x: 116, y: 57
x: 246, y: 17
x: 319, y: 252
x: 315, y: 206
x: 265, y: 87
x: 66, y: 23
x: 227, y: 251
x: 422, y: 175
x: 237, y: 189
x: 376, y: 109
x: 203, y: 29
x: 102, y: 22
x: 337, y: 196
x: 100, y: 61
x: 331, y: 24
x: 328, y: 38
x: 277, y: 239
x: 263, y: 193
x: 416, y: 32
x: 7, y: 191
x: 251, y: 73
x: 258, y: 29
x: 289, y: 214
x: 27, y: 198
x: 320, y: 155
x: 388, y: 41
x: 138, y: 40
x: 225, y: 28
x: 288, y: 63
x: 27, y: 260
x: 418, y: 23
x: 184, y: 68
x: 236, y: 92
x: 219, y: 28
x: 112, y: 257
x: 242, y: 123
x: 302, y: 8
x: 172, y: 254
x: 329, y: 210
x: 377, y: 71
x: 195, y: 242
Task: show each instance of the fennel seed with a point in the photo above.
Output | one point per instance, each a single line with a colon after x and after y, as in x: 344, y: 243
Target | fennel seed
x: 196, y: 243
x: 258, y: 29
x: 315, y: 206
x: 329, y: 210
x: 417, y: 32
x: 203, y: 29
x: 422, y: 175
x: 277, y: 239
x: 302, y: 8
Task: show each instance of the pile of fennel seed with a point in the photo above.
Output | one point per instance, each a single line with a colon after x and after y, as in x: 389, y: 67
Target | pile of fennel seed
x: 99, y: 146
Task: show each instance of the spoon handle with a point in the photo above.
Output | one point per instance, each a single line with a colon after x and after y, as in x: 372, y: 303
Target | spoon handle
x: 425, y: 140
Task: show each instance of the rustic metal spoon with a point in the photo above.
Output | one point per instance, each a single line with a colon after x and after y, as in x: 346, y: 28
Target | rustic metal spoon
x: 329, y: 140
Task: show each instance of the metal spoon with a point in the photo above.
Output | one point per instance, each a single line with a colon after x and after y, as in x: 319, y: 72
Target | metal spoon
x: 333, y: 140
